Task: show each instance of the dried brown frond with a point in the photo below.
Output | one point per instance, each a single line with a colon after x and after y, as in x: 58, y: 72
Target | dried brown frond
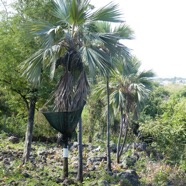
x: 72, y: 89
x: 63, y: 94
x: 81, y: 91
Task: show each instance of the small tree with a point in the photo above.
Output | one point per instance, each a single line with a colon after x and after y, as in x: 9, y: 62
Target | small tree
x: 128, y: 89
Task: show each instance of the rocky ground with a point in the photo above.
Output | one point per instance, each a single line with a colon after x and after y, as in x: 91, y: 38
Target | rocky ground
x: 45, y: 166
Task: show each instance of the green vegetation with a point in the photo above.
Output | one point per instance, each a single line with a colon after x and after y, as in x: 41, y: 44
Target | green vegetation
x: 168, y: 129
x: 129, y: 118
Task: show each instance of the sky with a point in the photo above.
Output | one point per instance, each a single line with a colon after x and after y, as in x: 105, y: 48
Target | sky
x: 159, y: 33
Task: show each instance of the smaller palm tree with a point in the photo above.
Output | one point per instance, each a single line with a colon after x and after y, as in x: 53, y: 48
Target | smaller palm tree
x: 128, y: 89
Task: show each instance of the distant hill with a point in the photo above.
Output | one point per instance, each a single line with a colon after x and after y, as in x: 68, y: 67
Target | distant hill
x: 176, y: 80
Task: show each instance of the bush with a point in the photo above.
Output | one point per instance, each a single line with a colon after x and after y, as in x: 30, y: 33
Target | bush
x: 169, y: 131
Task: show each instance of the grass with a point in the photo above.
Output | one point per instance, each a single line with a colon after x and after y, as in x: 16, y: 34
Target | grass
x: 47, y: 170
x: 157, y: 173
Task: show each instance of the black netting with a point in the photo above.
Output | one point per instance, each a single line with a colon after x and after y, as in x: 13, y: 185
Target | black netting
x: 64, y: 122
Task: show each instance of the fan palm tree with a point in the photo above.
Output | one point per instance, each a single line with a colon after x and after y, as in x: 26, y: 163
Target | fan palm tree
x: 129, y: 90
x: 129, y: 87
x: 73, y: 42
x: 122, y: 54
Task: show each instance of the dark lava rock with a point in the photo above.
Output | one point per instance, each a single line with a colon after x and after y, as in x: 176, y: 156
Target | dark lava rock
x: 92, y: 168
x: 13, y: 183
x: 6, y: 161
x: 99, y: 158
x: 103, y: 183
x: 110, y: 173
x: 13, y: 139
x: 140, y: 146
x: 73, y: 146
x: 130, y: 160
x: 67, y: 182
x: 42, y: 152
x: 58, y: 180
x: 113, y: 148
x: 131, y: 176
x: 26, y: 175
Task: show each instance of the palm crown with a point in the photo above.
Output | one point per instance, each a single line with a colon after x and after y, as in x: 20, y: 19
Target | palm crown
x: 129, y: 86
x: 76, y: 39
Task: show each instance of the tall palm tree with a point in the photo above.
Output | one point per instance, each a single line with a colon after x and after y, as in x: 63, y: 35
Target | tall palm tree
x: 122, y: 54
x: 73, y: 42
x: 129, y: 87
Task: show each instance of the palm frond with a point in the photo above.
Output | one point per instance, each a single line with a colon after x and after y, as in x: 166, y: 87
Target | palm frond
x: 46, y: 33
x: 99, y: 90
x: 60, y: 10
x: 78, y: 11
x: 110, y: 13
x: 42, y: 59
x: 102, y: 27
x: 40, y: 27
x: 124, y: 31
x: 32, y: 67
x: 71, y: 12
x: 146, y: 74
x: 96, y: 59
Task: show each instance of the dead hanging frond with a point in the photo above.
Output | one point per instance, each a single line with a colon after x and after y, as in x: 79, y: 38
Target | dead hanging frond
x: 71, y: 61
x: 72, y: 89
x: 68, y: 98
x: 81, y: 91
x: 63, y: 94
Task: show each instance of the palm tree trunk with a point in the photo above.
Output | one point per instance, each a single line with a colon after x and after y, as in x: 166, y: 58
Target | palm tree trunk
x: 125, y: 135
x: 120, y: 134
x: 80, y: 153
x: 28, y: 135
x: 65, y: 156
x: 108, y: 127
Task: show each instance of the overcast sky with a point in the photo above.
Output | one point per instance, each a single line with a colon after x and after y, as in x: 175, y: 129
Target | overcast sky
x: 160, y: 33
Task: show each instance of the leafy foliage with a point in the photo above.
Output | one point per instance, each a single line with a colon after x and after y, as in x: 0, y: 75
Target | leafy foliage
x: 169, y: 129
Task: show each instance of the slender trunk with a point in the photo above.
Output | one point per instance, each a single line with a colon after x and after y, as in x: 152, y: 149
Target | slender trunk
x: 80, y: 153
x: 28, y: 136
x: 125, y: 135
x: 65, y: 157
x: 120, y: 134
x: 108, y: 127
